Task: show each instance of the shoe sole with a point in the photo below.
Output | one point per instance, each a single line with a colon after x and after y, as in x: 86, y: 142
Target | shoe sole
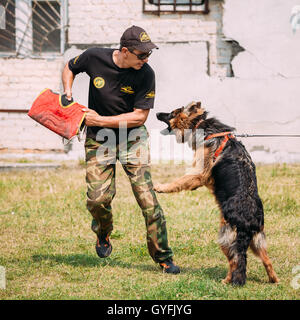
x: 171, y: 272
x: 167, y: 270
x: 107, y: 254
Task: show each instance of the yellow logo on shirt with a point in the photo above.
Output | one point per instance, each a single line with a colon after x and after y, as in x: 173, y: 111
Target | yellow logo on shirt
x: 99, y: 82
x: 75, y: 60
x: 150, y: 95
x: 127, y: 89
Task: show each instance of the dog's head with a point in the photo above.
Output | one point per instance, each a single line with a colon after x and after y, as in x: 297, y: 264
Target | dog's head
x: 180, y: 120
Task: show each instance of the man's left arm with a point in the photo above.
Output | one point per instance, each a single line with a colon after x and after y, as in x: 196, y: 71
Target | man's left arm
x: 132, y: 119
x: 143, y: 102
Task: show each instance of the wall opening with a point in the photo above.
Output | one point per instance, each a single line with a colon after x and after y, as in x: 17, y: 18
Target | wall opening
x: 235, y: 49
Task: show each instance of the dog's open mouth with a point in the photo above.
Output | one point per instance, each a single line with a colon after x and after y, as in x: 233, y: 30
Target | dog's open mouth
x: 166, y: 131
x: 164, y: 117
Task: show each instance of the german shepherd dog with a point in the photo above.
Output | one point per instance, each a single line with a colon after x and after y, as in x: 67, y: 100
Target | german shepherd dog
x: 228, y: 171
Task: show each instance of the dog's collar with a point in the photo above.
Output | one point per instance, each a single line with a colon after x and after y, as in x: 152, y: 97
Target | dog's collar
x: 220, y: 134
x: 198, y: 124
x: 227, y: 135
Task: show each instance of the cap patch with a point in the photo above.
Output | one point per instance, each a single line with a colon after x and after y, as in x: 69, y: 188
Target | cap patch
x: 144, y: 37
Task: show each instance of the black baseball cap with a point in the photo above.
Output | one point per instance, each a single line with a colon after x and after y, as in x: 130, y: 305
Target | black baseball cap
x: 137, y: 38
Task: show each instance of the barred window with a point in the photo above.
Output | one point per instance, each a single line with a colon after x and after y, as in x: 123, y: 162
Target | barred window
x: 7, y: 26
x: 175, y: 6
x: 183, y: 2
x: 32, y: 27
x: 46, y: 26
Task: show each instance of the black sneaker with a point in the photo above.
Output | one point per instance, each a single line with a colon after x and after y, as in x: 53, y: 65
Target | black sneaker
x: 103, y: 246
x: 168, y: 266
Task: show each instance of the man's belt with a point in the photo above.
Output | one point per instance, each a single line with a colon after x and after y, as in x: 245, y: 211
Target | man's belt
x: 58, y: 114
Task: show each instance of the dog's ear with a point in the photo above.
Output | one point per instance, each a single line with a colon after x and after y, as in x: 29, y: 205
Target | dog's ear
x: 194, y: 107
x: 191, y: 108
x: 204, y: 115
x: 175, y: 112
x: 199, y: 117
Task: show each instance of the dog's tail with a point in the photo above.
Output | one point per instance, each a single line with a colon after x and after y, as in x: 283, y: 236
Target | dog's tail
x: 243, y: 240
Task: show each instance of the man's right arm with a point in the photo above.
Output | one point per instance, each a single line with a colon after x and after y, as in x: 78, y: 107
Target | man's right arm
x: 73, y: 67
x: 67, y: 80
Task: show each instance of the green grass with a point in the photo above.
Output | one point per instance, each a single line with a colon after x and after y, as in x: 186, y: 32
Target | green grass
x: 47, y: 247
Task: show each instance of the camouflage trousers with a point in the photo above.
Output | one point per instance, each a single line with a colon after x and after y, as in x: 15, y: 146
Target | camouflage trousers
x: 101, y: 186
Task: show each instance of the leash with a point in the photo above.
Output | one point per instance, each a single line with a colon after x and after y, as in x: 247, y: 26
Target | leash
x: 229, y: 135
x: 246, y: 135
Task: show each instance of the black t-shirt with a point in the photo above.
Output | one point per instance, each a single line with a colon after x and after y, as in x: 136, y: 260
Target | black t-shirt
x: 114, y: 90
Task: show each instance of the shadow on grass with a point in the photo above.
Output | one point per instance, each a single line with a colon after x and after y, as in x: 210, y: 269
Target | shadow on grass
x: 212, y: 273
x: 84, y: 260
x: 217, y: 273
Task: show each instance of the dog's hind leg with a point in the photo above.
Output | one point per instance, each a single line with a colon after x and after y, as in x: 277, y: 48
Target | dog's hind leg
x: 258, y: 246
x: 241, y: 246
x: 232, y: 265
x: 227, y: 237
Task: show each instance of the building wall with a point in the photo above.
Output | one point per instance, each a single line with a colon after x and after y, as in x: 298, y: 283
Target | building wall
x: 191, y: 64
x: 21, y: 80
x: 263, y: 95
x: 102, y: 22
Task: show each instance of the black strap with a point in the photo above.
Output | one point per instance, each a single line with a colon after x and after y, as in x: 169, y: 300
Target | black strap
x: 64, y: 101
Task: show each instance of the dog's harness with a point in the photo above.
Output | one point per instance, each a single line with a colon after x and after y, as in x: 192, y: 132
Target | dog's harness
x: 227, y: 135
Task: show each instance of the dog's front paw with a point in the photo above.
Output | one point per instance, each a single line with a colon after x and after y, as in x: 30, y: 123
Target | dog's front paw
x: 159, y: 187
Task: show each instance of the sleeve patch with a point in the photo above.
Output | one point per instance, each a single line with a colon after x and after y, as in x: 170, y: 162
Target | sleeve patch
x: 150, y: 95
x: 75, y: 60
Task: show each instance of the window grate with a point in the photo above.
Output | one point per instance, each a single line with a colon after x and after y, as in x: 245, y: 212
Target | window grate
x: 176, y: 6
x: 8, y: 28
x: 46, y: 26
x: 32, y: 28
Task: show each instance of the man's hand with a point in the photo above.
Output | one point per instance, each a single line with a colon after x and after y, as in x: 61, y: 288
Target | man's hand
x: 68, y: 94
x: 92, y: 118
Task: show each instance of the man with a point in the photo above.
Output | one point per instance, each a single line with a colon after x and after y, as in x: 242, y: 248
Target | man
x: 121, y: 92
